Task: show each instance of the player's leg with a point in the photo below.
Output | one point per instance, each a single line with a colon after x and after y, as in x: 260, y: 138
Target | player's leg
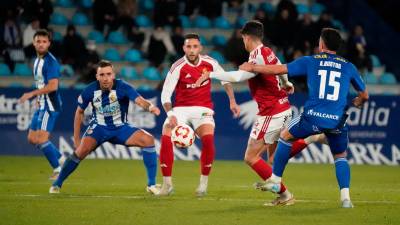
x: 300, y: 144
x: 131, y: 136
x: 166, y: 159
x: 338, y: 143
x: 41, y: 126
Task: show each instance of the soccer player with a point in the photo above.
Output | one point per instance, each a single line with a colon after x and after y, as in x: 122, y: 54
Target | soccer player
x: 110, y: 98
x: 270, y: 93
x: 328, y: 78
x: 46, y: 72
x: 192, y: 106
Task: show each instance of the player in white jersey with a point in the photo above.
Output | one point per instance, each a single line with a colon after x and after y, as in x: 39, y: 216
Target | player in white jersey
x: 192, y: 106
x: 46, y: 73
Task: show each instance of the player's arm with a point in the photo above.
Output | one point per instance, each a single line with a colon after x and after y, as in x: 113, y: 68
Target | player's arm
x: 147, y: 105
x: 265, y: 69
x: 168, y: 89
x: 231, y: 76
x: 77, y: 126
x: 360, y: 87
x: 48, y: 88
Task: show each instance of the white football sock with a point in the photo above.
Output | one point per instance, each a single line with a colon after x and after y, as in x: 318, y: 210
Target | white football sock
x: 344, y: 194
x: 167, y: 180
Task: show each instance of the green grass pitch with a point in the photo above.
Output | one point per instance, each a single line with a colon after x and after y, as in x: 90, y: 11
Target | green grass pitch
x: 112, y: 192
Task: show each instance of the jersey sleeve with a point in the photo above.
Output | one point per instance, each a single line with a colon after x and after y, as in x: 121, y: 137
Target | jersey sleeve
x: 169, y: 85
x: 129, y: 90
x: 356, y: 79
x: 298, y: 67
x: 53, y: 69
x: 84, y: 99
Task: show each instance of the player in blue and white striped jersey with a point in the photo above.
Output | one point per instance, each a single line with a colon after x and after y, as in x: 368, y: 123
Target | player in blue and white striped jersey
x: 46, y: 72
x: 110, y: 99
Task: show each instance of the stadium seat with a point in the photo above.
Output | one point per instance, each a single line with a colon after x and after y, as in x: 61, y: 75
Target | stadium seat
x: 219, y: 40
x: 117, y: 37
x: 267, y: 7
x: 302, y: 8
x: 370, y: 78
x: 203, y: 40
x: 79, y: 86
x: 16, y: 85
x: 185, y: 21
x: 133, y: 55
x: 240, y: 21
x: 143, y: 21
x: 375, y: 61
x: 80, y: 19
x: 66, y: 70
x: 129, y: 72
x: 4, y: 70
x: 64, y: 3
x: 112, y: 54
x: 58, y: 19
x: 87, y: 4
x: 387, y: 78
x: 151, y: 73
x: 202, y: 22
x: 164, y: 72
x: 338, y: 24
x: 96, y: 36
x: 57, y: 36
x: 144, y: 87
x: 317, y: 8
x: 146, y: 5
x: 22, y: 69
x: 222, y: 23
x: 217, y: 56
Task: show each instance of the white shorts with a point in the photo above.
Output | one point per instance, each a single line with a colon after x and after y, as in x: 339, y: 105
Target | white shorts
x: 269, y: 127
x: 194, y: 116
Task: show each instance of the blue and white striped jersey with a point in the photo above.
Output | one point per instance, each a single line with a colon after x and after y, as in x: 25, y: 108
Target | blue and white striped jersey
x: 110, y: 108
x: 44, y: 69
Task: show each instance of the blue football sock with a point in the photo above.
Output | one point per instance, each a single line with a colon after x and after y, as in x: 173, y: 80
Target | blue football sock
x: 51, y: 152
x: 150, y: 162
x: 281, y: 157
x: 342, y: 172
x: 70, y: 164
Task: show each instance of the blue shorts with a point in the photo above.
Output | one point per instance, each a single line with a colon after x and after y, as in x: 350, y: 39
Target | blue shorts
x: 338, y: 139
x: 118, y: 135
x: 43, y: 120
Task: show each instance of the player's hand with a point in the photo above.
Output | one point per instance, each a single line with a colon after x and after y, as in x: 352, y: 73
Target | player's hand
x: 25, y: 96
x: 289, y: 88
x: 246, y: 67
x: 358, y: 102
x: 154, y: 110
x: 235, y: 108
x: 205, y: 75
x: 173, y: 121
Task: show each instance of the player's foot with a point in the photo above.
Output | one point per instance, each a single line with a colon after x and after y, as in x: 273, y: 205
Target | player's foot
x: 166, y: 189
x: 282, y: 200
x: 201, y: 191
x: 258, y: 186
x: 54, y: 176
x: 54, y: 190
x: 347, y: 204
x: 271, y: 186
x: 153, y: 189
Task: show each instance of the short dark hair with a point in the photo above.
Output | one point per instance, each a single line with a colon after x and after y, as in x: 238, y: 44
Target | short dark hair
x: 331, y: 38
x: 192, y: 36
x: 42, y: 32
x: 253, y: 28
x: 104, y: 63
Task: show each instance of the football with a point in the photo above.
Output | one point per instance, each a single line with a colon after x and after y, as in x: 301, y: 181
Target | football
x: 182, y: 136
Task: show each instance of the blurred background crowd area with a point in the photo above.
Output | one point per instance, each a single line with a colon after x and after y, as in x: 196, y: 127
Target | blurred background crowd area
x: 144, y: 37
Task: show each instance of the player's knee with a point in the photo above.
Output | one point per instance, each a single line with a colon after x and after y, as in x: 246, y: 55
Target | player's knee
x: 249, y: 158
x: 285, y: 135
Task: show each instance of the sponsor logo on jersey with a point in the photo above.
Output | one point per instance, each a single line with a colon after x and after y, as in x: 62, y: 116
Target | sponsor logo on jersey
x: 322, y: 115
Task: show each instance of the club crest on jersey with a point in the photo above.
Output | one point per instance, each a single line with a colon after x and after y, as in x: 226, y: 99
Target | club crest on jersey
x: 113, y: 97
x: 89, y: 131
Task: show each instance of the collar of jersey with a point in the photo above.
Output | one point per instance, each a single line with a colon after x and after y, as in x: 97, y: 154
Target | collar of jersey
x: 187, y: 61
x: 258, y: 47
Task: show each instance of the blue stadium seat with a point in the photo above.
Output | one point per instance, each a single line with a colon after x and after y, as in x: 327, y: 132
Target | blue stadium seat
x: 222, y: 23
x: 338, y: 24
x: 151, y: 73
x: 165, y: 72
x: 217, y: 56
x: 66, y: 70
x: 387, y: 78
x: 203, y: 40
x: 144, y: 87
x: 57, y: 36
x: 80, y: 86
x: 16, y: 85
x: 143, y: 21
x: 64, y: 3
x: 202, y: 22
x: 58, y: 19
x: 129, y: 72
x: 240, y: 21
x: 317, y: 8
x: 96, y: 36
x: 375, y: 61
x: 267, y: 7
x: 370, y: 78
x: 22, y: 69
x: 117, y: 37
x: 80, y: 19
x: 219, y: 40
x: 133, y: 55
x: 185, y: 21
x: 302, y: 8
x: 87, y: 4
x: 112, y: 54
x: 146, y: 5
x: 4, y: 70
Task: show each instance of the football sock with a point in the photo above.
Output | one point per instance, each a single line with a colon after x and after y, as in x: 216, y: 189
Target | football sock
x: 281, y: 157
x: 297, y: 147
x: 69, y: 166
x: 51, y: 152
x: 150, y: 162
x: 166, y: 156
x: 203, y: 181
x: 264, y: 171
x: 207, y: 154
x: 343, y: 174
